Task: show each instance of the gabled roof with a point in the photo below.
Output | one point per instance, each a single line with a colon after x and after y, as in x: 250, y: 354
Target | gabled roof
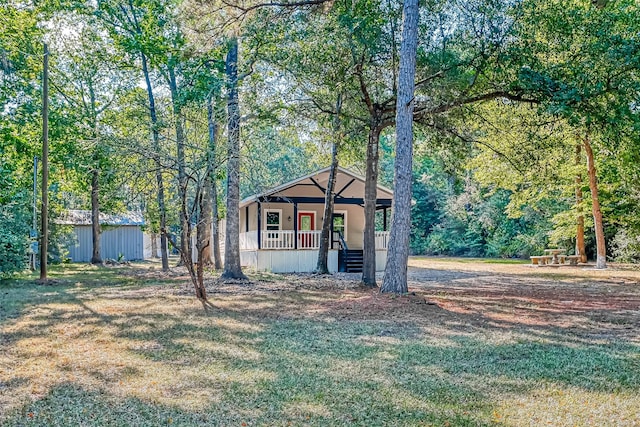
x: 314, y: 181
x: 83, y: 217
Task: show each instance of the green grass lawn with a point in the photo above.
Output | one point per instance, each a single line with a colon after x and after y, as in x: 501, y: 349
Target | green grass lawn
x: 125, y: 346
x: 466, y: 260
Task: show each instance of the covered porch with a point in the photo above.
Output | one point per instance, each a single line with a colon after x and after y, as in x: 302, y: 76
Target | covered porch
x: 281, y: 228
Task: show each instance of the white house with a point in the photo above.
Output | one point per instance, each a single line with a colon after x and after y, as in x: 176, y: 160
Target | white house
x: 280, y: 228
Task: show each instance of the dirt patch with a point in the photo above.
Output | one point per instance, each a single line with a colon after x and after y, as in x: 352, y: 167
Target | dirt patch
x: 584, y: 300
x: 472, y: 295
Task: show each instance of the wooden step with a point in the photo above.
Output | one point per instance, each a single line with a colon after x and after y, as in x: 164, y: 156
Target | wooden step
x: 354, y: 261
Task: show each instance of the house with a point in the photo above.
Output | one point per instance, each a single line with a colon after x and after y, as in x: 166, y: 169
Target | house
x: 122, y: 236
x: 280, y: 228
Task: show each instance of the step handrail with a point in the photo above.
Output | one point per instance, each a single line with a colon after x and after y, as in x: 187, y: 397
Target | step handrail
x: 343, y: 244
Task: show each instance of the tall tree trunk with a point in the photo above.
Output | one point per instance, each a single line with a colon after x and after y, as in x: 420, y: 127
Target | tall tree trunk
x: 44, y: 206
x: 323, y: 251
x: 185, y: 240
x: 206, y: 219
x: 601, y: 249
x: 154, y: 245
x: 96, y: 258
x: 325, y: 235
x: 202, y: 243
x: 370, y: 196
x: 205, y: 224
x: 213, y: 187
x: 159, y: 180
x: 232, y: 267
x: 580, y: 245
x: 215, y: 231
x: 395, y: 277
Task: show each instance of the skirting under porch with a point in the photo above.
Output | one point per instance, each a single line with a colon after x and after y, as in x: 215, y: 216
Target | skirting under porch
x: 298, y: 261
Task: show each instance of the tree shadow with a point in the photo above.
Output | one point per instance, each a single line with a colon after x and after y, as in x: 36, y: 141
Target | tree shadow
x: 251, y: 360
x: 71, y: 405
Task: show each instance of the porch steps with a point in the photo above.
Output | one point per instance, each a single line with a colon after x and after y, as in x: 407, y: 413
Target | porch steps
x: 354, y: 261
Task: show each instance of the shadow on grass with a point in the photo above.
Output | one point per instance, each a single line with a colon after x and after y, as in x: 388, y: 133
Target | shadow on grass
x: 71, y: 405
x: 240, y: 366
x: 65, y: 281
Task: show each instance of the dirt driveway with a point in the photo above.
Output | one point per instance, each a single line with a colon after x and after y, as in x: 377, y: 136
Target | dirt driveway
x: 600, y: 303
x: 464, y: 294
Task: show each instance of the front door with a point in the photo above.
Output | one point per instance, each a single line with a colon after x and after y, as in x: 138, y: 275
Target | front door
x: 306, y: 222
x: 338, y: 229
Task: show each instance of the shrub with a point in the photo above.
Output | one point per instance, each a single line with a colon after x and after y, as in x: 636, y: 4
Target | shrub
x: 14, y: 238
x: 626, y: 246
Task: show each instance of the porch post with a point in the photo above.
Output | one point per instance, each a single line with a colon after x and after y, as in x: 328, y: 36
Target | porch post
x: 259, y: 228
x: 246, y: 218
x: 332, y: 241
x: 384, y: 219
x: 295, y: 225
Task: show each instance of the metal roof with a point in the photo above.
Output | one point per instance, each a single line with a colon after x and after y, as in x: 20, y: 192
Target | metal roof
x: 300, y: 180
x: 83, y: 217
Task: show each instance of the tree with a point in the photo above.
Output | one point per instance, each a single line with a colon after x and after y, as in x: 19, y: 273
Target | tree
x: 601, y: 259
x: 20, y: 65
x: 210, y: 231
x: 590, y: 80
x: 135, y: 28
x: 232, y: 267
x: 89, y: 83
x: 398, y: 253
x: 322, y: 266
x: 171, y: 63
x: 580, y: 245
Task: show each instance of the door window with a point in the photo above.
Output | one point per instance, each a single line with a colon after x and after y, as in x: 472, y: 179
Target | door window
x: 340, y: 224
x: 273, y: 222
x: 305, y: 222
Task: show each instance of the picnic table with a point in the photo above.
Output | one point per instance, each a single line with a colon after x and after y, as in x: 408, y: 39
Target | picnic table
x: 555, y: 255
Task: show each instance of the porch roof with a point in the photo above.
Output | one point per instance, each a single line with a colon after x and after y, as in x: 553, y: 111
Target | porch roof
x: 349, y: 187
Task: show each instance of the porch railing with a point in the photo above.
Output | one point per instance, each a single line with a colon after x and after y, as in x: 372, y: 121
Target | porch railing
x: 276, y: 239
x: 382, y: 239
x: 309, y: 239
x: 285, y: 239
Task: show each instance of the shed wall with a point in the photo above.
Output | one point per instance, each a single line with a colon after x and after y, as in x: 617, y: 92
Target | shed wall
x: 125, y: 240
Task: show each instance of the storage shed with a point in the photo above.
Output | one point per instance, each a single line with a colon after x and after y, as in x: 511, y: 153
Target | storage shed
x: 122, y: 236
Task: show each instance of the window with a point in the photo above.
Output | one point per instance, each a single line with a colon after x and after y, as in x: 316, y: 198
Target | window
x: 272, y: 222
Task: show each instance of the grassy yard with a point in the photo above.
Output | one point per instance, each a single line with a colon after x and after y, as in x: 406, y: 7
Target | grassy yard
x: 473, y: 344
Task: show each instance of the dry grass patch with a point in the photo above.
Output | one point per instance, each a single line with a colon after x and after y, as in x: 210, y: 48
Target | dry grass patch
x: 471, y: 345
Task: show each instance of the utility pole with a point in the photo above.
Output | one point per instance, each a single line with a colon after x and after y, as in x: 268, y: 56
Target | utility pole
x: 34, y: 224
x: 45, y: 166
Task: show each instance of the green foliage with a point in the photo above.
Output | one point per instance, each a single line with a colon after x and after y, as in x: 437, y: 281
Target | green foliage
x: 14, y: 236
x: 475, y: 224
x: 497, y: 179
x: 626, y: 246
x: 456, y: 216
x: 272, y: 157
